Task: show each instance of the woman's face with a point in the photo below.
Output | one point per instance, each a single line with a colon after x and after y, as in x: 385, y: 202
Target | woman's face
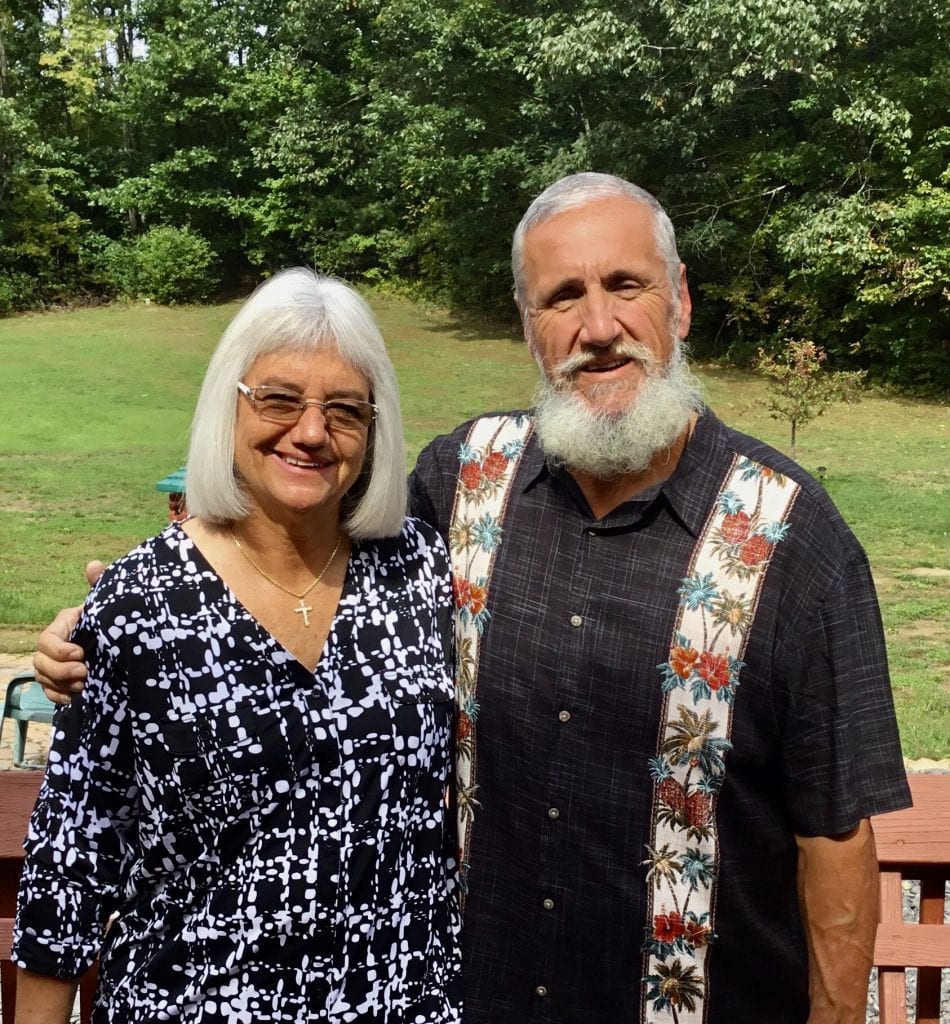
x: 299, y: 467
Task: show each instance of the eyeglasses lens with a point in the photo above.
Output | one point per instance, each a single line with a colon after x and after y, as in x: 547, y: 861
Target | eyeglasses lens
x: 347, y: 415
x: 284, y: 407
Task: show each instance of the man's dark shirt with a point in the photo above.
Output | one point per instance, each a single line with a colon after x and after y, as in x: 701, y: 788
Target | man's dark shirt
x: 581, y: 614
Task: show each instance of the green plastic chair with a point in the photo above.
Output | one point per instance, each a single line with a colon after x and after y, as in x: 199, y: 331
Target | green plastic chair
x: 25, y: 702
x: 174, y: 486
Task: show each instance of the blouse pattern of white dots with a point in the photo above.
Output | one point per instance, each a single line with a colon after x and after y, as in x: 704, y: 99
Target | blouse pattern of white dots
x: 274, y: 841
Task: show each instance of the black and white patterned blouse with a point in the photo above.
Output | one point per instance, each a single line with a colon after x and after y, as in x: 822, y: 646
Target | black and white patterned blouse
x: 274, y: 842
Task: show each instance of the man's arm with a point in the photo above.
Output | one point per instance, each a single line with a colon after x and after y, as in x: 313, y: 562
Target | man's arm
x: 839, y: 895
x: 43, y: 1000
x: 58, y: 665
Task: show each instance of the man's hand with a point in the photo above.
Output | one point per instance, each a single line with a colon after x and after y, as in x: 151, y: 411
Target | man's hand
x: 58, y: 664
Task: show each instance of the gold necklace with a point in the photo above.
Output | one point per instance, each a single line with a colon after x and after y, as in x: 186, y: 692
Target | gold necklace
x: 301, y: 609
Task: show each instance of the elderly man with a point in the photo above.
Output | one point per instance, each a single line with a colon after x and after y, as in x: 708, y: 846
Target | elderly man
x: 674, y: 709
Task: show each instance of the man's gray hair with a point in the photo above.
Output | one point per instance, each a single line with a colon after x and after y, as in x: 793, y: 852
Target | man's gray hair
x: 301, y: 311
x: 588, y: 186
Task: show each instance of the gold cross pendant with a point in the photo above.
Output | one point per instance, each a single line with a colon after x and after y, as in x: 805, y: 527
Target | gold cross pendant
x: 303, y: 609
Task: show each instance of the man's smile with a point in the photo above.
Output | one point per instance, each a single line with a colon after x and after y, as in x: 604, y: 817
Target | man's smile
x: 605, y: 367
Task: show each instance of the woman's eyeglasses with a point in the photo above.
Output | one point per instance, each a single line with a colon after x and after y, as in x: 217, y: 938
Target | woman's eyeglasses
x: 279, y: 405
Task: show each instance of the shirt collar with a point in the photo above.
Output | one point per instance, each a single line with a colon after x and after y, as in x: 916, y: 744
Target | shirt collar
x: 698, y: 476
x: 533, y: 461
x: 689, y: 491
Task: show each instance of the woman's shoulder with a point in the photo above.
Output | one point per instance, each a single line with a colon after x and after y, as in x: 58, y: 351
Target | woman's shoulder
x: 418, y: 531
x: 416, y: 541
x: 146, y: 567
x: 418, y: 535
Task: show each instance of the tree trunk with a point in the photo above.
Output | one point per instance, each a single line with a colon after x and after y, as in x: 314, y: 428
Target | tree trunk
x: 3, y: 68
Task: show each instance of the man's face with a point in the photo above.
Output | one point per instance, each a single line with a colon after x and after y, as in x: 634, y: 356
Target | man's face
x: 599, y: 310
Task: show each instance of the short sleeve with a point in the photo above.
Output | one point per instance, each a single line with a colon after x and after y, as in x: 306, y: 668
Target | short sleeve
x: 842, y: 755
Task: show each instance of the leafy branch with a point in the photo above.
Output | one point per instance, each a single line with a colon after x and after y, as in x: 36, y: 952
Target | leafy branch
x: 800, y: 389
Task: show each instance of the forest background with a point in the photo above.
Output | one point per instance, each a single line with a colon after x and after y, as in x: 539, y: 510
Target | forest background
x: 181, y: 149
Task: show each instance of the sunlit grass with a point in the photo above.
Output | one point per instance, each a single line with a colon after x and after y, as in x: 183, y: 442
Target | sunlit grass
x: 97, y: 405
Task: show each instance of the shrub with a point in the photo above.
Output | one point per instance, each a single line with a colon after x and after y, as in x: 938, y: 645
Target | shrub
x: 107, y: 265
x: 16, y: 292
x: 7, y: 295
x: 168, y: 265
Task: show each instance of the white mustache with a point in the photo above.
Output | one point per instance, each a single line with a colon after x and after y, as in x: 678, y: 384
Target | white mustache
x: 573, y: 365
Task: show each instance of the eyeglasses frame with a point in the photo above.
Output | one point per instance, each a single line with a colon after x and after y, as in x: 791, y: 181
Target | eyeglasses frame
x: 249, y: 393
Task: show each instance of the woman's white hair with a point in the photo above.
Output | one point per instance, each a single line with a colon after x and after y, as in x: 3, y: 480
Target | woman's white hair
x: 300, y: 311
x: 588, y: 186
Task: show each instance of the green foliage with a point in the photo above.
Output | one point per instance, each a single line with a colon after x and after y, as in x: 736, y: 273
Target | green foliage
x: 800, y: 389
x: 10, y: 291
x: 39, y: 233
x: 802, y: 149
x: 73, y: 57
x: 106, y: 265
x: 168, y: 265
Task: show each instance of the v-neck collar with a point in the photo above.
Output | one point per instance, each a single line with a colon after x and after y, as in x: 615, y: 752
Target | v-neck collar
x: 187, y: 548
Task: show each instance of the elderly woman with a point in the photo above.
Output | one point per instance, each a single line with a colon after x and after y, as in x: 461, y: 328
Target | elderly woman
x: 252, y: 784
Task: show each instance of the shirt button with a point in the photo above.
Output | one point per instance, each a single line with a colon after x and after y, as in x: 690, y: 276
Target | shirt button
x: 547, y: 903
x: 576, y: 620
x: 564, y: 716
x: 541, y: 991
x: 553, y: 812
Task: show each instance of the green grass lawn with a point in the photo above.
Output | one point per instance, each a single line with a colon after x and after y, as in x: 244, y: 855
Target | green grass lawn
x: 97, y: 404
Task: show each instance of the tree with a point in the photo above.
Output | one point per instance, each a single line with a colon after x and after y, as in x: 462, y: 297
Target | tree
x: 802, y: 150
x: 40, y: 235
x: 800, y: 389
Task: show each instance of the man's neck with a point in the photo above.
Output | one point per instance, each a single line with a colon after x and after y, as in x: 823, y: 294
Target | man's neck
x: 604, y: 496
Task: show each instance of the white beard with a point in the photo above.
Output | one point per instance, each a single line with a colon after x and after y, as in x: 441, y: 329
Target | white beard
x: 608, y: 445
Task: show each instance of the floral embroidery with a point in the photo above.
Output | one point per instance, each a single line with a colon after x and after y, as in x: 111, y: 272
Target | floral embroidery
x: 700, y: 680
x: 470, y: 597
x: 488, y: 459
x: 744, y: 540
x: 701, y: 672
x: 482, y: 473
x: 682, y: 660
